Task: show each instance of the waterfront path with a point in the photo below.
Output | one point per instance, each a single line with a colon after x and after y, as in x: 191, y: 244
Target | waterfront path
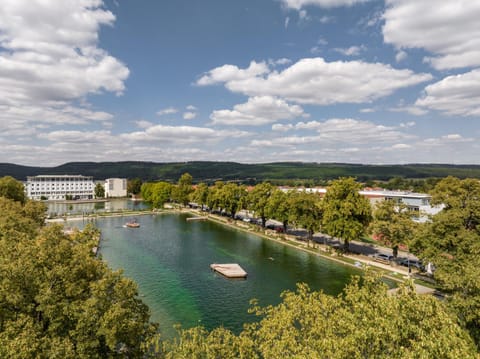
x: 324, y: 246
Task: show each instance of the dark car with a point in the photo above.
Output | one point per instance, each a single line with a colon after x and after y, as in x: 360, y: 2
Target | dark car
x: 412, y: 263
x: 382, y: 257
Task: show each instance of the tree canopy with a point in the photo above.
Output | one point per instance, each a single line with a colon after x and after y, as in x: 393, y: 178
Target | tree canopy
x: 392, y: 224
x: 346, y: 213
x: 258, y: 198
x: 12, y: 189
x: 362, y: 322
x: 451, y: 241
x: 57, y: 300
x: 99, y: 190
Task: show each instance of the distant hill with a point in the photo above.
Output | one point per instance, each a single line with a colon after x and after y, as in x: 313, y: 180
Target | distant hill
x: 247, y: 173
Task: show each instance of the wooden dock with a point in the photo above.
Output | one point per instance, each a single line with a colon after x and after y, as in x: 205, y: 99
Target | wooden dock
x: 229, y: 270
x: 197, y: 218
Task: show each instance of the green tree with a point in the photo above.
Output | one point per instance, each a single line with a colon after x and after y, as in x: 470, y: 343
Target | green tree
x: 451, y: 240
x: 12, y: 189
x: 161, y: 194
x: 361, y: 322
x: 181, y: 192
x: 200, y: 194
x: 35, y: 210
x: 58, y: 300
x: 306, y: 212
x: 134, y: 186
x: 214, y: 196
x: 257, y: 200
x: 232, y: 198
x: 99, y: 190
x: 278, y: 206
x: 346, y: 212
x: 392, y: 224
x: 146, y: 191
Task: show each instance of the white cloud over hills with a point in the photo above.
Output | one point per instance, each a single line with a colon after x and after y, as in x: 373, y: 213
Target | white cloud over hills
x: 258, y: 110
x: 316, y: 81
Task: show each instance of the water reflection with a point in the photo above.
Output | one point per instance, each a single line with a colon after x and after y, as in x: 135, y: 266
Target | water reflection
x: 111, y: 205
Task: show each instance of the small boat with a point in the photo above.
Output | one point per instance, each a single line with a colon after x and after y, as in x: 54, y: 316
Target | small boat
x: 132, y: 224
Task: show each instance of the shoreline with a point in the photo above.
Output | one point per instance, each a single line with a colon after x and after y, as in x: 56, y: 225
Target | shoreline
x: 391, y: 274
x: 360, y: 262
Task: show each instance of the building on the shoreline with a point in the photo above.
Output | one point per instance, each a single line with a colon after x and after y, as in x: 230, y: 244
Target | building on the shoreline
x: 417, y: 202
x: 115, y: 187
x: 60, y: 187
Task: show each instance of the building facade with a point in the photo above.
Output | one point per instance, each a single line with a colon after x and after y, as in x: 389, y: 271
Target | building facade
x: 115, y: 187
x: 60, y: 187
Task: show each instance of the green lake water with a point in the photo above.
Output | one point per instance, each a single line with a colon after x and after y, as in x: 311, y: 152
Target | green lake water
x: 169, y: 258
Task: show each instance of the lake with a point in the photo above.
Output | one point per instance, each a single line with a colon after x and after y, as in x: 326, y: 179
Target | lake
x: 56, y: 208
x: 169, y: 258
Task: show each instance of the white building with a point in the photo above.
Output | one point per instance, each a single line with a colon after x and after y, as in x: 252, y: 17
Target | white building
x: 115, y: 187
x: 60, y: 187
x: 417, y: 202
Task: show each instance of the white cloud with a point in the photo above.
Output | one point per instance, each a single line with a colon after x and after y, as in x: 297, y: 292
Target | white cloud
x: 49, y: 58
x: 454, y: 95
x: 303, y: 16
x: 143, y: 124
x: 167, y: 111
x: 407, y: 124
x: 325, y: 19
x: 191, y: 108
x: 233, y: 73
x: 315, y: 81
x: 189, y: 115
x: 401, y: 146
x: 446, y: 28
x: 343, y: 130
x: 298, y: 4
x: 257, y: 111
x: 180, y: 135
x: 351, y: 51
x: 411, y: 109
x: 287, y: 21
x: 76, y: 137
x: 400, y: 56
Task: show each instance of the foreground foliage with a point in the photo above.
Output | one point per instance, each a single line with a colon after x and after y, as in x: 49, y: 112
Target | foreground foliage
x: 362, y: 322
x: 452, y: 242
x: 57, y: 300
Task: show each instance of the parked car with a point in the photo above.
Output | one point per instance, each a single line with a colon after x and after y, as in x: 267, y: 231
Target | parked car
x: 382, y: 257
x: 412, y: 263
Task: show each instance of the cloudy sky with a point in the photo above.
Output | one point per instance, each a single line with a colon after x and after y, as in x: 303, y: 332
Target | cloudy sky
x: 358, y: 81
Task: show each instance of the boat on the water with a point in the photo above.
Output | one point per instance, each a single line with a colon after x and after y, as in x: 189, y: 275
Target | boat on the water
x: 132, y: 224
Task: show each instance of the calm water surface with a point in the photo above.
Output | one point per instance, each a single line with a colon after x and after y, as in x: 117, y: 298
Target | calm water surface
x: 170, y: 259
x: 112, y: 205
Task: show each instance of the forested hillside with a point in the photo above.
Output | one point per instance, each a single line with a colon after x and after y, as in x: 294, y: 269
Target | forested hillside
x: 246, y: 173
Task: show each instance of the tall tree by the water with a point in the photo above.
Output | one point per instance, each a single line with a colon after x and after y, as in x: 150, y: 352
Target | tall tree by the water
x: 346, y: 213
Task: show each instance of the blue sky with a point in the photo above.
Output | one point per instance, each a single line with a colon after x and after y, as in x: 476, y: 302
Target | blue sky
x: 357, y: 81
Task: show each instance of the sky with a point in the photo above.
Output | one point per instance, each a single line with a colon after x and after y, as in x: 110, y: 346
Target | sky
x: 250, y: 81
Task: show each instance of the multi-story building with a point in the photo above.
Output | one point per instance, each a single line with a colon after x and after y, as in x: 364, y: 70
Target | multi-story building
x: 60, y: 187
x: 115, y: 187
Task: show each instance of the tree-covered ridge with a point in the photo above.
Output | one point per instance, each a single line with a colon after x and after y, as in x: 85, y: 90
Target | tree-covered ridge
x: 283, y: 172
